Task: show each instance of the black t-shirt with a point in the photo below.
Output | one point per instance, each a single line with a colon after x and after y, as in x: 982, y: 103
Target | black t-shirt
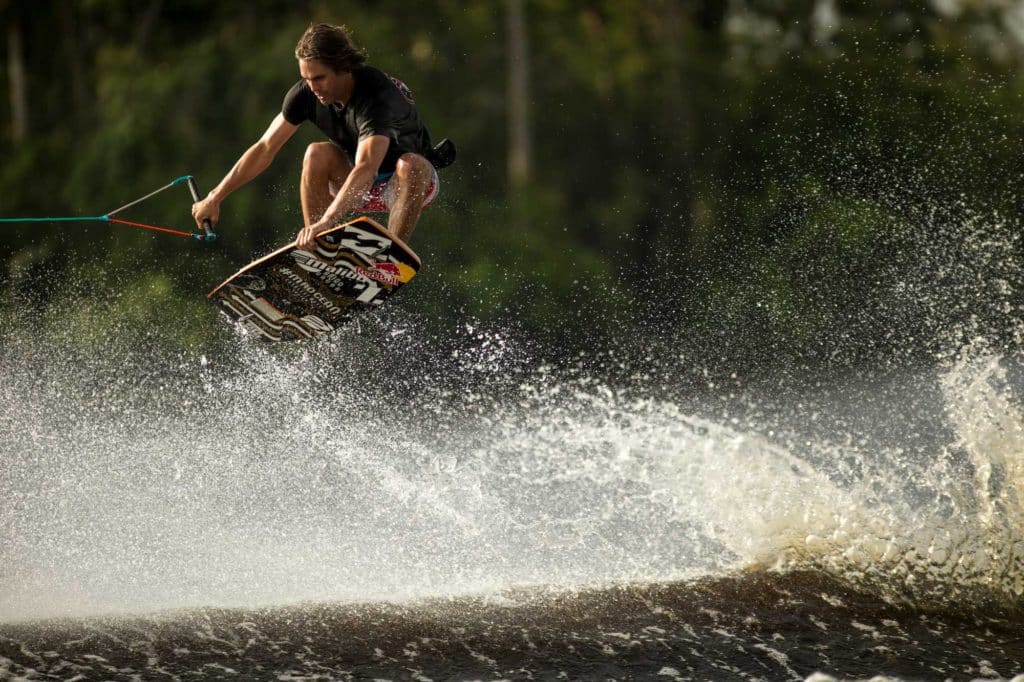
x: 380, y: 105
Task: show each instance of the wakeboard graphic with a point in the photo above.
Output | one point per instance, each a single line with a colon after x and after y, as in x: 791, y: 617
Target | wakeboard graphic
x: 294, y: 294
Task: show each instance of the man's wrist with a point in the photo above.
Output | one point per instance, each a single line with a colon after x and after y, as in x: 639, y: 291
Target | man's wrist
x: 327, y: 221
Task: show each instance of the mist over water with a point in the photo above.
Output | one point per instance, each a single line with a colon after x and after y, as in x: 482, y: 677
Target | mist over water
x: 389, y: 463
x: 134, y: 484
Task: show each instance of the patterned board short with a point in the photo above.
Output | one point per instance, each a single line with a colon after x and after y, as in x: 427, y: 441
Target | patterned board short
x: 381, y: 197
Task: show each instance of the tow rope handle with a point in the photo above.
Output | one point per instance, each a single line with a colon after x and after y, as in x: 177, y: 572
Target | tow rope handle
x: 209, y: 235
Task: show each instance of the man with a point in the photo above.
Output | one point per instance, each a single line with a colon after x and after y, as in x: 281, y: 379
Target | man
x: 376, y: 156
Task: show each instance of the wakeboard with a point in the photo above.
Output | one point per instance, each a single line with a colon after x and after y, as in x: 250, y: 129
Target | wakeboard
x: 294, y: 294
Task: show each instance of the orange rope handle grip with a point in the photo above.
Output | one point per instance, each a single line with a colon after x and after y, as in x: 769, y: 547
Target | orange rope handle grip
x: 157, y: 228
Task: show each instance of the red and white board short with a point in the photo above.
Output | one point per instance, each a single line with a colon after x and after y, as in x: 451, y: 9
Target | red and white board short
x: 381, y: 197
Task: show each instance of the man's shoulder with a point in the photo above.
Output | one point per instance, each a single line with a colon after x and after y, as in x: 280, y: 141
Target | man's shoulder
x: 374, y: 84
x: 299, y: 103
x: 299, y: 91
x: 369, y: 74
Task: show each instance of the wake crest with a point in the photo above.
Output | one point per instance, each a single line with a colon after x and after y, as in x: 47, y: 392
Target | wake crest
x: 943, y: 531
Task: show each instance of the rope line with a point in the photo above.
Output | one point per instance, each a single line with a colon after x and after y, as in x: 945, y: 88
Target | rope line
x: 106, y: 218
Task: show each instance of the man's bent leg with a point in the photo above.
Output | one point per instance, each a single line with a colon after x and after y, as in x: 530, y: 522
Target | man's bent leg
x: 323, y: 165
x: 413, y: 175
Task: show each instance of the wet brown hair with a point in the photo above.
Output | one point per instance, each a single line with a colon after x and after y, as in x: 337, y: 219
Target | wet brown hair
x: 331, y: 46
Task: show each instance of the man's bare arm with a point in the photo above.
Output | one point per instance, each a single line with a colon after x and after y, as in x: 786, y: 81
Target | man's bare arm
x: 369, y: 155
x: 253, y: 162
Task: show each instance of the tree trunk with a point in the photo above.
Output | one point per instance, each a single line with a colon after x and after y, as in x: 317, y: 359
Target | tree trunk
x: 518, y: 98
x: 667, y: 224
x: 144, y: 28
x: 16, y: 76
x: 75, y: 63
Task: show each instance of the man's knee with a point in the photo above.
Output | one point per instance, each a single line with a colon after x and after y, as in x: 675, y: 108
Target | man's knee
x: 321, y: 158
x: 415, y: 168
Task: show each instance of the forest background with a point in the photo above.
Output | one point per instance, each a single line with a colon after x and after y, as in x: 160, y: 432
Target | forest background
x: 814, y: 179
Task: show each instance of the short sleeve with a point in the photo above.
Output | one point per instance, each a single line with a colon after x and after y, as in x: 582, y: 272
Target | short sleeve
x: 298, y: 105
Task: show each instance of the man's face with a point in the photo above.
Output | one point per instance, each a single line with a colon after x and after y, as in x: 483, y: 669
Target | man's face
x: 321, y: 79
